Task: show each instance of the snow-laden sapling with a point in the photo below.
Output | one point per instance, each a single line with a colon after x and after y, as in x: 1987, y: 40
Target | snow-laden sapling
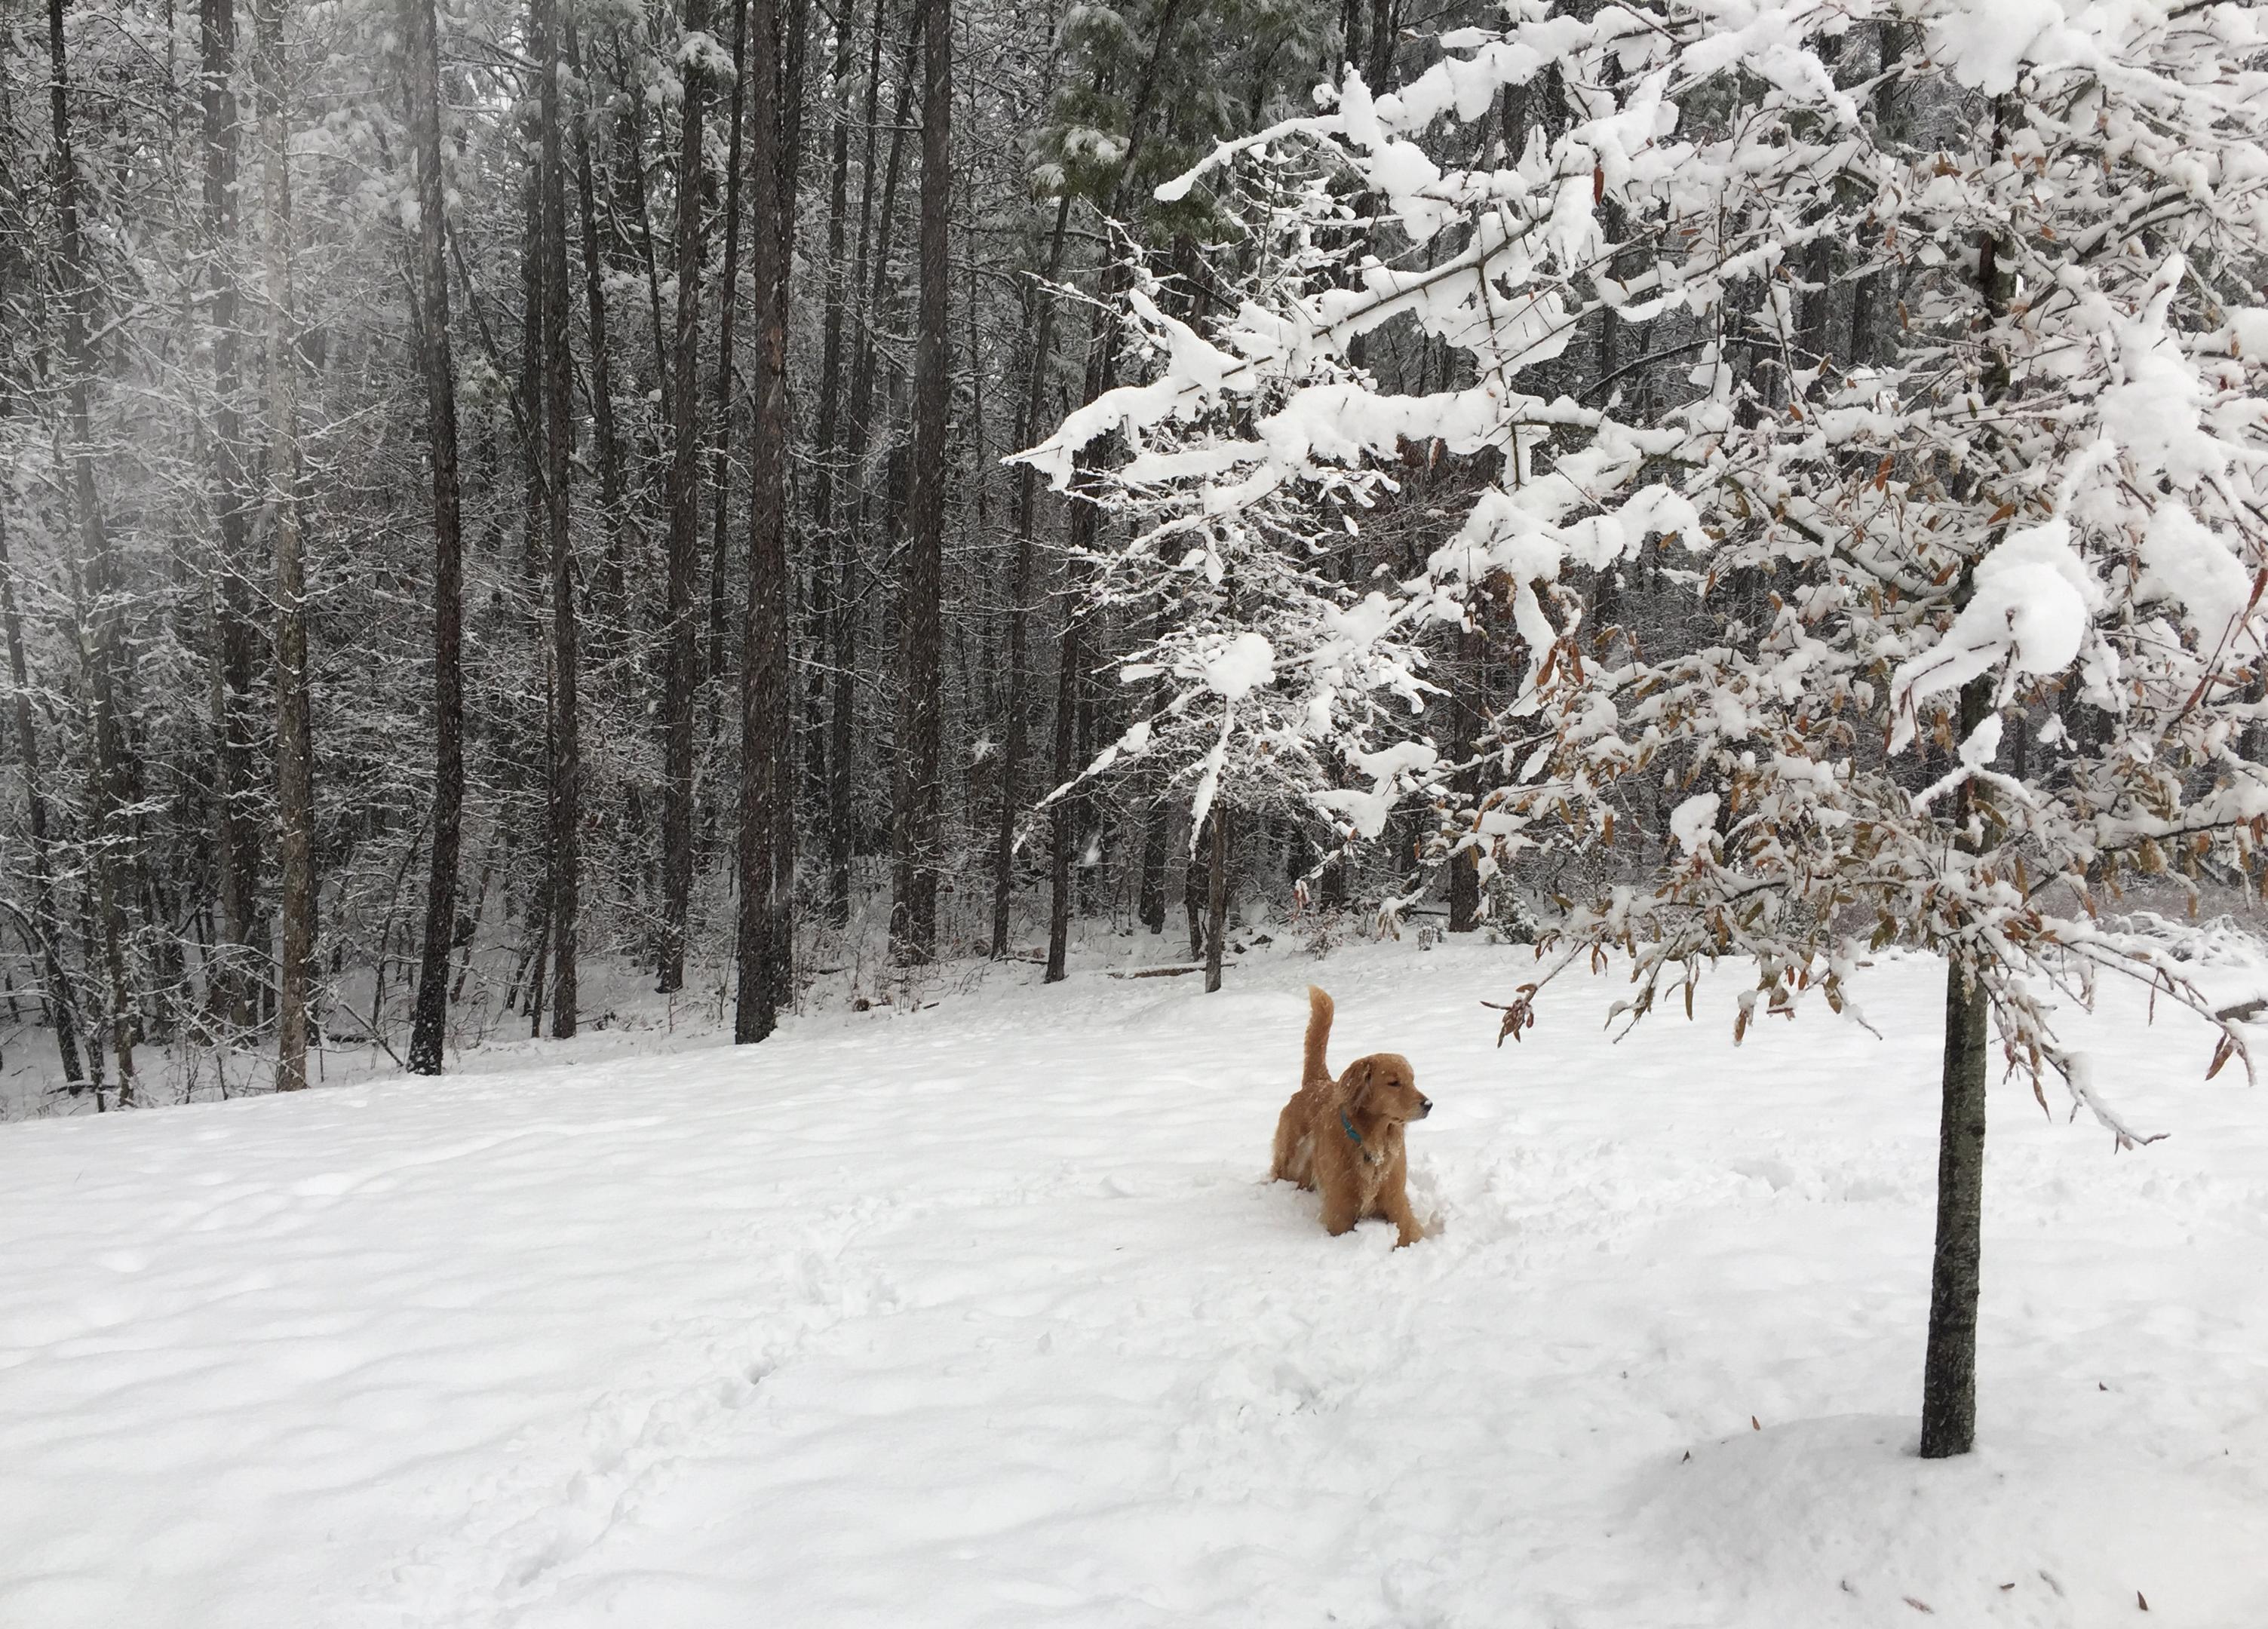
x: 1953, y: 436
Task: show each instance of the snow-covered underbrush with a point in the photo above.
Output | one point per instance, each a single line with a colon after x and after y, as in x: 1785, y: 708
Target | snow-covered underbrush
x: 984, y: 1313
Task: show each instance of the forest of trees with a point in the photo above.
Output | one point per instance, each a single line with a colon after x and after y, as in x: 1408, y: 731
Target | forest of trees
x: 428, y: 433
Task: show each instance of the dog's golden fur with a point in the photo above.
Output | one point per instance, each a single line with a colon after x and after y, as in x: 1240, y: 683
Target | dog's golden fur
x: 1344, y: 1137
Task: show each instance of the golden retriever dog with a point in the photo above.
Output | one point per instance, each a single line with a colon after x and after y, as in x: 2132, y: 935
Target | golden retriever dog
x: 1344, y: 1137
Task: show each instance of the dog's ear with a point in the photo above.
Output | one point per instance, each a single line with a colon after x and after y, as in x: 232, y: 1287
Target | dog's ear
x: 1360, y: 1077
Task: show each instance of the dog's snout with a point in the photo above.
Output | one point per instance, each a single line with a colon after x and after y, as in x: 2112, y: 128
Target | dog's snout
x: 1425, y: 1107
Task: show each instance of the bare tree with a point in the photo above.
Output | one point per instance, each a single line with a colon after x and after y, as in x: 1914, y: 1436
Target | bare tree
x: 684, y: 561
x: 294, y: 769
x: 917, y: 801
x: 439, y: 367
x: 566, y: 800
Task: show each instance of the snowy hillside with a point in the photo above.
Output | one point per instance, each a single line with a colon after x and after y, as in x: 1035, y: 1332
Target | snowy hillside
x: 985, y: 1314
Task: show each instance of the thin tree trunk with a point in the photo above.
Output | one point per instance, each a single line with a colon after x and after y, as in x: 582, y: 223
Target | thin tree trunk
x: 1948, y: 1384
x: 1465, y: 865
x: 235, y: 851
x: 295, y: 768
x: 1014, y: 748
x: 1154, y: 848
x: 764, y: 941
x: 684, y: 561
x: 921, y: 720
x: 63, y: 1007
x: 831, y: 602
x: 1062, y: 818
x: 1216, y: 897
x: 535, y: 408
x: 1101, y: 375
x: 429, y: 1024
x: 873, y: 292
x: 565, y: 785
x: 720, y: 392
x: 92, y: 574
x: 608, y: 598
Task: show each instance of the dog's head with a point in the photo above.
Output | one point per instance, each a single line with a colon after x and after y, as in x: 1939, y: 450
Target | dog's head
x: 1384, y: 1085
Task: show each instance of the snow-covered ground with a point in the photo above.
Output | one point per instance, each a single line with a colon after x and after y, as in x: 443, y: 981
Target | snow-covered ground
x: 986, y: 1314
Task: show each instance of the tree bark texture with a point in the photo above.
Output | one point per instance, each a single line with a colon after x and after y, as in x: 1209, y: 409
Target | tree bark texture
x: 684, y: 561
x: 295, y: 755
x: 1948, y: 1390
x: 764, y: 941
x: 430, y: 1020
x: 565, y: 808
x: 235, y: 848
x: 1216, y: 897
x: 92, y: 572
x: 63, y: 1005
x: 919, y: 801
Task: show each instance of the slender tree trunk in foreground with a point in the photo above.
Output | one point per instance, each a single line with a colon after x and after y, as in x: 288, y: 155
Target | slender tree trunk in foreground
x: 428, y: 1026
x: 1948, y: 1385
x: 295, y: 765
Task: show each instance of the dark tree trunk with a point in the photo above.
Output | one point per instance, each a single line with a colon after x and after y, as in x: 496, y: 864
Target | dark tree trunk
x: 533, y: 400
x: 1948, y: 1384
x: 1102, y: 375
x: 720, y: 392
x: 765, y: 938
x: 235, y: 852
x: 565, y: 808
x: 1063, y: 816
x: 607, y: 601
x: 63, y: 1005
x: 844, y: 634
x: 295, y: 748
x: 1469, y: 705
x: 878, y: 226
x: 831, y: 598
x: 1193, y: 898
x: 1216, y: 897
x: 93, y: 572
x: 918, y: 801
x: 1154, y: 821
x: 1014, y: 748
x: 684, y: 561
x: 428, y: 1025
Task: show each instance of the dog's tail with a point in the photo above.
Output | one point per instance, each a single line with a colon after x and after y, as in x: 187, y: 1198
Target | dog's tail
x: 1319, y: 1035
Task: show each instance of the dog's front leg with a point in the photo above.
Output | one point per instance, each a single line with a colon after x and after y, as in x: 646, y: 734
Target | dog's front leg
x: 1393, y: 1205
x: 1341, y: 1206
